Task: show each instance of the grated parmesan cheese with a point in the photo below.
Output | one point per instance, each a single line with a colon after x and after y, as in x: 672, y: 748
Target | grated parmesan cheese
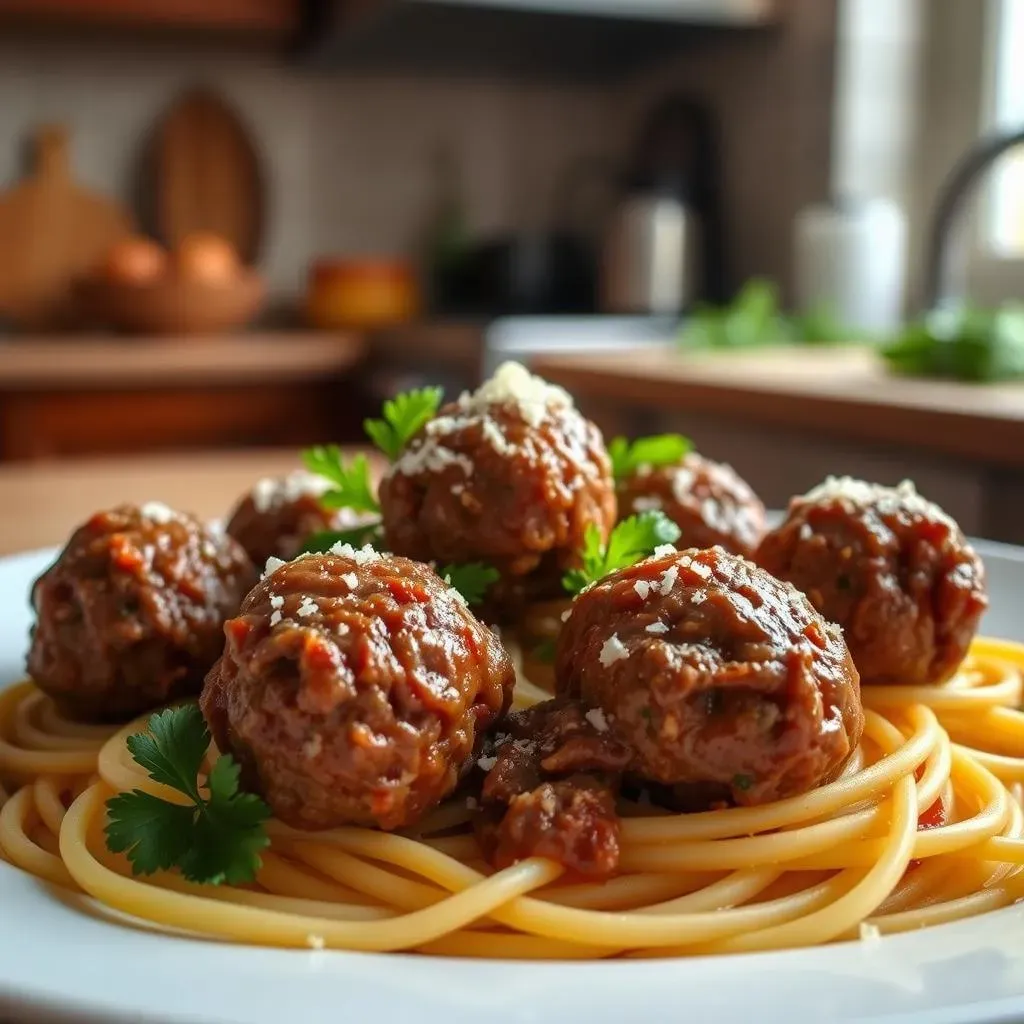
x: 657, y: 627
x: 566, y: 615
x: 888, y: 500
x: 431, y: 457
x: 273, y: 564
x: 613, y: 650
x: 276, y: 601
x: 513, y: 385
x: 158, y: 512
x: 351, y: 580
x: 270, y: 493
x: 647, y: 503
x: 682, y: 484
x: 596, y: 717
x: 643, y: 588
x: 668, y: 580
x: 664, y: 549
x: 307, y: 607
x: 275, y: 618
x: 487, y: 763
x: 361, y: 556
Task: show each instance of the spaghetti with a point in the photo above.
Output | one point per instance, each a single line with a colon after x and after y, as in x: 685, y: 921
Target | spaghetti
x: 924, y: 826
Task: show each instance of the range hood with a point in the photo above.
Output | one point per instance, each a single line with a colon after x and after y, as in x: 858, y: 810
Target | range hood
x: 561, y: 38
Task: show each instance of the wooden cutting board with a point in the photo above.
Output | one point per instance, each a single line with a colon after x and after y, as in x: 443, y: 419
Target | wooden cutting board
x: 52, y: 232
x: 207, y: 175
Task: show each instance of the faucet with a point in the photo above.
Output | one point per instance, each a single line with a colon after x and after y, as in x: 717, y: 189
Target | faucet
x: 945, y: 281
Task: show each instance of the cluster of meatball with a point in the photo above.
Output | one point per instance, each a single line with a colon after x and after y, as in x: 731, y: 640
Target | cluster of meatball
x: 357, y: 687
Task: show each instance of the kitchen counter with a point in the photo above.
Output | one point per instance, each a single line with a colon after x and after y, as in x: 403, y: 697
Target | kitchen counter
x: 79, y: 362
x: 840, y: 392
x: 40, y: 503
x: 785, y: 418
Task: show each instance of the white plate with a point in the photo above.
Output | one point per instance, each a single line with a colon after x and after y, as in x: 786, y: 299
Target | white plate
x: 59, y: 963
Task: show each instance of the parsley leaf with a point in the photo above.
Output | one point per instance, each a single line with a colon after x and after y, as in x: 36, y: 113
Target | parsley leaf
x: 659, y: 450
x: 472, y: 579
x: 634, y: 538
x: 211, y: 840
x: 404, y: 417
x: 324, y: 540
x: 352, y: 488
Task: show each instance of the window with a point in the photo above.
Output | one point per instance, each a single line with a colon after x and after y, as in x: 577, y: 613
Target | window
x: 1006, y: 210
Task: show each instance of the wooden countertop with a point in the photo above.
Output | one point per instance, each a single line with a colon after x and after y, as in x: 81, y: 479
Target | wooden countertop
x: 842, y: 392
x: 41, y: 502
x: 81, y: 362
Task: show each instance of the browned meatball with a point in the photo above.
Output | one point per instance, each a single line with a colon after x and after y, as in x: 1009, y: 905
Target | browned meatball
x: 718, y: 675
x: 552, y: 776
x: 353, y: 687
x: 709, y: 502
x: 278, y: 516
x: 131, y: 614
x: 510, y: 475
x: 891, y: 568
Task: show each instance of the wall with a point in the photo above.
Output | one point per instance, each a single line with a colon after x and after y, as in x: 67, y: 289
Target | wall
x: 772, y: 94
x: 348, y: 159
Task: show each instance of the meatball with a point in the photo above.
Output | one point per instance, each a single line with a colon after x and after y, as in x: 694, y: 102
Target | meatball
x: 891, y: 568
x: 278, y: 515
x: 552, y: 776
x: 718, y: 676
x: 353, y: 688
x: 510, y: 475
x: 131, y: 614
x: 709, y: 502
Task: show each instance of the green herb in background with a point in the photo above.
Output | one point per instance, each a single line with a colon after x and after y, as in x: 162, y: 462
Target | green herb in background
x: 660, y: 450
x: 212, y: 839
x: 404, y: 416
x: 634, y: 538
x: 352, y: 488
x: 962, y: 344
x: 472, y: 579
x: 754, y: 318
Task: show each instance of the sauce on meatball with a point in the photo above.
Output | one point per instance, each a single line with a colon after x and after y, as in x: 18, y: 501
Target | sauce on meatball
x: 717, y: 675
x: 130, y: 615
x: 510, y: 475
x: 709, y: 502
x: 891, y: 568
x: 353, y: 688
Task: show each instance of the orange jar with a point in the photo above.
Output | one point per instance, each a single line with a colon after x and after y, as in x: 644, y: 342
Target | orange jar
x: 360, y: 294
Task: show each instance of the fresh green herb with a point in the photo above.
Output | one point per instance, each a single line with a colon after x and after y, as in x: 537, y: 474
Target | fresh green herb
x: 471, y: 579
x: 742, y: 782
x: 368, y: 533
x: 962, y: 344
x: 352, y: 488
x: 659, y: 450
x: 754, y: 318
x: 404, y: 416
x: 211, y: 840
x: 545, y: 651
x: 634, y: 538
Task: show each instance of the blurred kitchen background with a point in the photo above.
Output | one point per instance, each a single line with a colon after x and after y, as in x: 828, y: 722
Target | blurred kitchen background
x: 793, y: 229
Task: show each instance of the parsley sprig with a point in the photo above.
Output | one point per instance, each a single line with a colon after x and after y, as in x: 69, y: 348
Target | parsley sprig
x: 404, y: 417
x: 471, y: 579
x: 352, y: 488
x: 659, y: 450
x: 212, y: 839
x: 634, y: 538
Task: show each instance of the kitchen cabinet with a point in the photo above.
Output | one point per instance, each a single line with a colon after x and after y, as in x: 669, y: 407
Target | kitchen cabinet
x: 554, y: 38
x: 110, y: 397
x: 273, y: 18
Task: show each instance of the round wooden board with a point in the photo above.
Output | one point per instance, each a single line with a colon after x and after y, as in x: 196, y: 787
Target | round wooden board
x: 207, y: 175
